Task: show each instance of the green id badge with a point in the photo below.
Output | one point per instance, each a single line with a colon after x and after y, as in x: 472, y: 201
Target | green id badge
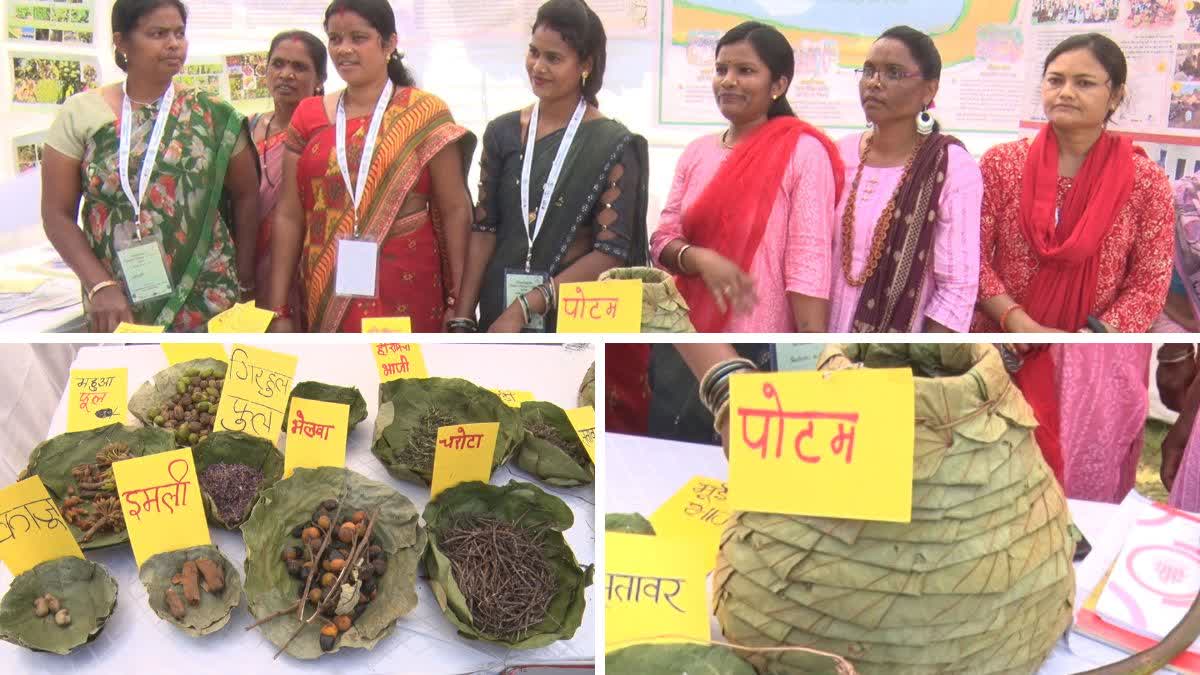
x: 519, y: 282
x: 144, y: 269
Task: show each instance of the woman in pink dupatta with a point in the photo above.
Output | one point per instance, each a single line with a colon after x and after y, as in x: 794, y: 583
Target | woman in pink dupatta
x: 296, y: 69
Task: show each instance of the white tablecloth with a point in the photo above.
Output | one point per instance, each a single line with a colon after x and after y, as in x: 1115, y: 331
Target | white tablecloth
x: 423, y: 641
x: 642, y: 473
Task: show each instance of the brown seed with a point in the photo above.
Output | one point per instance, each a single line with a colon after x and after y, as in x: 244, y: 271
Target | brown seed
x: 311, y: 533
x: 40, y: 607
x: 337, y: 565
x: 342, y: 622
x: 52, y: 603
x: 328, y: 579
x: 290, y: 553
x: 329, y: 630
x: 63, y: 617
x: 314, y: 596
x: 359, y: 516
x: 362, y: 528
x: 323, y: 522
x: 327, y: 566
x: 346, y: 532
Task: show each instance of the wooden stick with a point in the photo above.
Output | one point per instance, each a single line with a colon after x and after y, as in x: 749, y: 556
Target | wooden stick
x: 273, y: 615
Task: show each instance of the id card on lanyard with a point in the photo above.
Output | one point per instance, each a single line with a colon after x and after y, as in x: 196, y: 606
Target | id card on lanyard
x: 516, y: 281
x: 356, y: 270
x: 142, y: 258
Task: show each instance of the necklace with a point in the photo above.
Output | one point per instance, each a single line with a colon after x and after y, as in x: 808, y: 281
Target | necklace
x: 881, y: 227
x: 725, y: 140
x: 266, y: 136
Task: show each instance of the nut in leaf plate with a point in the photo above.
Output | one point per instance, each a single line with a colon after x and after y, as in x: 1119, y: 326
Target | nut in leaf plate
x: 216, y: 583
x: 471, y: 526
x: 234, y: 468
x: 76, y: 468
x: 83, y: 588
x: 332, y: 393
x: 411, y: 410
x: 182, y: 399
x: 551, y: 449
x: 276, y: 525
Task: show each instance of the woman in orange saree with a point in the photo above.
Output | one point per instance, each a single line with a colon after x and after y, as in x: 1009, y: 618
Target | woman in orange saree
x: 373, y: 178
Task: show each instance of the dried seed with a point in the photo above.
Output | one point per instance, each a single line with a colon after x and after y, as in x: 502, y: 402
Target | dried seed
x: 52, y: 603
x: 346, y: 533
x: 62, y: 617
x: 40, y: 607
x: 342, y: 622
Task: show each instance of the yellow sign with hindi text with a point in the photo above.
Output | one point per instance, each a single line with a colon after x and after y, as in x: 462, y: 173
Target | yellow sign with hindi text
x: 513, y: 398
x: 243, y: 317
x: 600, y: 306
x: 655, y: 591
x: 255, y: 395
x: 387, y: 324
x: 584, y: 421
x: 32, y: 530
x: 836, y: 444
x: 316, y: 435
x: 137, y: 328
x: 697, y: 514
x: 97, y: 398
x: 180, y: 352
x: 160, y: 496
x: 397, y: 361
x: 463, y: 453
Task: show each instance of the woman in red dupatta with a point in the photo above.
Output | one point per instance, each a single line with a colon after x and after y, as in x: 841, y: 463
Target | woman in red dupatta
x: 1086, y: 239
x: 748, y: 226
x: 415, y: 211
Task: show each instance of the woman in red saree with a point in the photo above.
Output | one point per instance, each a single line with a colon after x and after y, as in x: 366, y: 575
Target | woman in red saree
x: 394, y: 197
x: 296, y: 70
x: 1077, y: 232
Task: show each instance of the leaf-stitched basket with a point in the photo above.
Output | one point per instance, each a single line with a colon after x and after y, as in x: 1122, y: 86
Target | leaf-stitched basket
x: 565, y: 464
x: 331, y: 393
x: 214, y: 610
x: 663, y: 308
x: 236, y: 447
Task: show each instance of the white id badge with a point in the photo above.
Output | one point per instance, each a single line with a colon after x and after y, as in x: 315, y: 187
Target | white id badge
x: 519, y: 282
x: 144, y: 268
x: 356, y: 271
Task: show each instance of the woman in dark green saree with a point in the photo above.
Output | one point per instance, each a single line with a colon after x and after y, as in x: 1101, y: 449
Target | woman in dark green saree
x: 525, y: 242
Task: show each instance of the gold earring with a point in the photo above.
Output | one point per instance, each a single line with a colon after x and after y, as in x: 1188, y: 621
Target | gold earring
x: 585, y: 76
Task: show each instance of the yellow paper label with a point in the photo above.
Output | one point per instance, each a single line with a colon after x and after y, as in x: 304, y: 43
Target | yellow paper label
x: 97, y: 398
x: 463, y: 453
x: 135, y: 328
x: 387, y: 324
x: 256, y: 391
x: 241, y: 318
x: 160, y: 496
x: 32, y: 529
x: 584, y: 421
x: 600, y: 307
x: 316, y: 435
x: 655, y: 591
x: 697, y: 514
x: 397, y: 361
x: 180, y: 352
x: 835, y: 444
x: 513, y: 398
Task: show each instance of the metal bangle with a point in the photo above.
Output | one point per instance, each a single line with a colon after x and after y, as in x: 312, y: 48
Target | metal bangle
x: 679, y: 259
x: 717, y: 378
x: 525, y: 308
x: 99, y: 287
x: 545, y: 295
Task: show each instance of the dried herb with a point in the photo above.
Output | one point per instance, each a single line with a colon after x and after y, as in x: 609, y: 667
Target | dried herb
x: 502, y: 572
x: 195, y: 589
x: 232, y: 487
x: 92, y: 504
x: 419, y: 450
x: 571, y: 446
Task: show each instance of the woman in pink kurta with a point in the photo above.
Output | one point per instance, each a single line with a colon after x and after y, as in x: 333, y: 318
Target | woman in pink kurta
x: 794, y: 254
x: 906, y: 249
x: 747, y: 226
x: 951, y: 283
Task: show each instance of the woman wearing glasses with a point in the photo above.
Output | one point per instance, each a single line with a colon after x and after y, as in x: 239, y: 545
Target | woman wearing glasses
x: 1077, y: 229
x: 906, y: 254
x: 747, y: 225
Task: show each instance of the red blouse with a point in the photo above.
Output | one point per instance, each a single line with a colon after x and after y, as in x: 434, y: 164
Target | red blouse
x: 1136, y: 255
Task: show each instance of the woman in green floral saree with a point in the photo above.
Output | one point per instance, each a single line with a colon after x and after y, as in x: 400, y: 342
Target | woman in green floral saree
x: 157, y: 248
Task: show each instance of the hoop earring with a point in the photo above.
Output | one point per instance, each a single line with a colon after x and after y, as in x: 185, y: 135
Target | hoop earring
x: 925, y: 123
